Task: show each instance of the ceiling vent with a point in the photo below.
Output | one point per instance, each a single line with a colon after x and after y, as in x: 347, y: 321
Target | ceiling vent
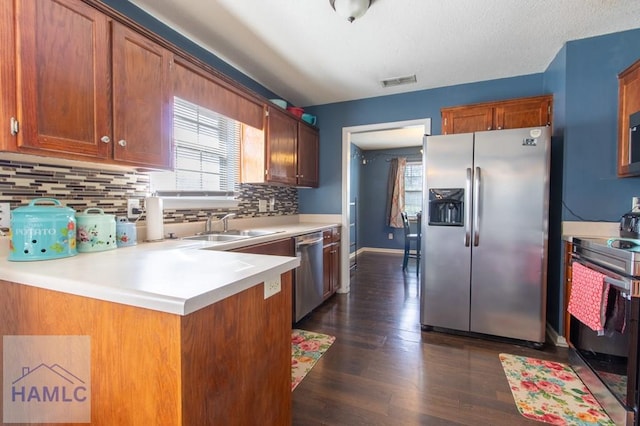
x: 399, y: 81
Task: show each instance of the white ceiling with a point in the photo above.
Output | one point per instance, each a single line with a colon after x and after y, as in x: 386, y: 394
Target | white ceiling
x: 309, y: 55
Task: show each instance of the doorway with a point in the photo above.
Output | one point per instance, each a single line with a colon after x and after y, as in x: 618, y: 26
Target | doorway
x: 365, y: 135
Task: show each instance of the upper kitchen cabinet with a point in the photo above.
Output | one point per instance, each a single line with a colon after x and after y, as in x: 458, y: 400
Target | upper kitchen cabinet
x: 509, y: 114
x: 308, y: 150
x: 142, y: 102
x: 62, y: 78
x: 282, y: 137
x: 88, y: 88
x: 7, y: 73
x: 628, y: 103
x: 286, y: 154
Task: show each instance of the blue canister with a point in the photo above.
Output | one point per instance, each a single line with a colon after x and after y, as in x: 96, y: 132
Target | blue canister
x: 45, y: 229
x: 96, y: 230
x: 126, y: 233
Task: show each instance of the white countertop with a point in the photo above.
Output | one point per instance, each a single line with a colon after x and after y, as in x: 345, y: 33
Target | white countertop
x: 174, y: 276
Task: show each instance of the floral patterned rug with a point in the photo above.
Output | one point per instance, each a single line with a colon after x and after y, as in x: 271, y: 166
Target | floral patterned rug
x: 306, y: 349
x: 551, y: 392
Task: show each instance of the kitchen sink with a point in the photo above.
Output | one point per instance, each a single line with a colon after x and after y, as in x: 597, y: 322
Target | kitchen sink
x: 230, y: 235
x: 222, y: 238
x: 247, y: 233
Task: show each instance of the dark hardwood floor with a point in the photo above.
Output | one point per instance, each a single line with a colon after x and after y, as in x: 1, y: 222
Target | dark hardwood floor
x: 383, y: 370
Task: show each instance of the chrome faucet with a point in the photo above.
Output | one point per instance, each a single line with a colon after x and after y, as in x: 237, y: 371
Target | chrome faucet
x: 224, y: 220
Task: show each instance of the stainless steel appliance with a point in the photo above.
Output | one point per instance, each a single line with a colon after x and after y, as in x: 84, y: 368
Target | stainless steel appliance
x: 307, y: 292
x: 607, y: 362
x: 630, y: 225
x: 485, y: 236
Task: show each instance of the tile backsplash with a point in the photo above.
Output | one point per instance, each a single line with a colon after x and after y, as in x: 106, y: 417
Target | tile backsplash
x: 81, y: 188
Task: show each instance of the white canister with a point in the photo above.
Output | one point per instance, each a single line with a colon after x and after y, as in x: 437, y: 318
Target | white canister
x: 126, y: 233
x: 96, y: 230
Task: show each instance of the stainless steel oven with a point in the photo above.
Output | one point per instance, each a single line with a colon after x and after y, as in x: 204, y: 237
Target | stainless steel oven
x: 607, y: 360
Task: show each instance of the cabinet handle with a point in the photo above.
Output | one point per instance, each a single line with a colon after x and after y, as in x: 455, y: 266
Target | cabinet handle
x: 499, y: 127
x: 489, y: 128
x: 105, y: 139
x: 122, y: 142
x: 15, y: 126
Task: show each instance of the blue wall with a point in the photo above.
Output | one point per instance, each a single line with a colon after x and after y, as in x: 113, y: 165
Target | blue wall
x: 408, y: 106
x: 374, y: 177
x: 592, y: 189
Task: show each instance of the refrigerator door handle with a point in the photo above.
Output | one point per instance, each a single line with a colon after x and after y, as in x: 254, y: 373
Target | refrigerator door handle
x: 467, y: 210
x: 476, y: 206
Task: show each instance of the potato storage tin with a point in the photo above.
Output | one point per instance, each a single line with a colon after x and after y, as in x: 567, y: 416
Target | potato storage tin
x: 42, y: 230
x: 96, y: 230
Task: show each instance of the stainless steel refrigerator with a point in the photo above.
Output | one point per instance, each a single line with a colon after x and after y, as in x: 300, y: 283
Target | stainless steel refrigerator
x: 484, y: 239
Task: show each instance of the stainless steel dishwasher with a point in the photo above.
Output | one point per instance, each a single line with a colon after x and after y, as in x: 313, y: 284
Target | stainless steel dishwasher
x: 308, y: 276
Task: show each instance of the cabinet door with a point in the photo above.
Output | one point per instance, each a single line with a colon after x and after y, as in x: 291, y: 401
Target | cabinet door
x: 63, y: 78
x: 308, y: 151
x: 283, y: 247
x: 466, y: 119
x: 526, y: 113
x: 7, y: 74
x: 335, y: 267
x: 327, y: 276
x: 142, y: 112
x: 282, y: 135
x: 628, y: 103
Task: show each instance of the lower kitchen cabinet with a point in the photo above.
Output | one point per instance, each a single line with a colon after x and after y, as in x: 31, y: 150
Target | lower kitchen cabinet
x: 228, y: 363
x: 331, y: 261
x: 282, y: 247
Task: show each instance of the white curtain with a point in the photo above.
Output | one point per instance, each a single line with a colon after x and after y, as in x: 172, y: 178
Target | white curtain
x: 395, y: 195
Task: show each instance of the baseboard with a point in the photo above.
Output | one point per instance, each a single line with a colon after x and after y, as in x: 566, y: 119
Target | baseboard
x: 555, y: 338
x: 380, y: 250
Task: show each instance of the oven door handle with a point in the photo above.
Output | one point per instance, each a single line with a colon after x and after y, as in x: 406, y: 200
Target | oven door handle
x: 627, y: 285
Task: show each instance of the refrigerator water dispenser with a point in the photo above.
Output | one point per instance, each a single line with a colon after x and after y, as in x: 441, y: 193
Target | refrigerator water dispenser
x: 446, y: 206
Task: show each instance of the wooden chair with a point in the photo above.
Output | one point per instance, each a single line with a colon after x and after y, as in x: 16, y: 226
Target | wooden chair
x: 411, y: 239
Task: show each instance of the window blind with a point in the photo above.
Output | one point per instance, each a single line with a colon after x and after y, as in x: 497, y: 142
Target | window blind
x: 206, y: 146
x: 413, y: 188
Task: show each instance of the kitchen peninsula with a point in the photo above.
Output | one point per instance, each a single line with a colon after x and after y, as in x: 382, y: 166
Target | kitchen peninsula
x: 179, y: 335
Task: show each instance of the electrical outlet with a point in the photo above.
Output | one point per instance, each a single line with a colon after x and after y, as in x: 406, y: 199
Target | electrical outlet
x: 391, y: 235
x: 635, y: 204
x: 262, y: 206
x: 272, y: 204
x: 272, y: 286
x: 133, y: 208
x: 5, y: 215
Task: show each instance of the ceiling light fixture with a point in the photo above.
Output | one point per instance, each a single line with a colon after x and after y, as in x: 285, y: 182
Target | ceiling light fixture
x: 350, y: 9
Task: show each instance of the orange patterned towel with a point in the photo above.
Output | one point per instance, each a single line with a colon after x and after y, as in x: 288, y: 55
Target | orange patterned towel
x: 588, y: 298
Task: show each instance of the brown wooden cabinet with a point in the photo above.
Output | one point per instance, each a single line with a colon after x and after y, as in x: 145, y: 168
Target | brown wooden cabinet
x: 628, y: 103
x: 62, y: 78
x: 509, y: 114
x: 282, y: 247
x: 282, y: 138
x: 8, y: 101
x: 227, y: 363
x: 287, y: 153
x: 307, y: 156
x: 331, y: 261
x: 142, y: 101
x: 89, y: 88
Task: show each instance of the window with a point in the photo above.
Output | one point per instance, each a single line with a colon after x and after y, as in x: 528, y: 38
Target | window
x: 413, y: 188
x: 207, y: 146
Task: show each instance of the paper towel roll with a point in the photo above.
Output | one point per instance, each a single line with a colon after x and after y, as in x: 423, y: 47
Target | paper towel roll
x: 155, y: 220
